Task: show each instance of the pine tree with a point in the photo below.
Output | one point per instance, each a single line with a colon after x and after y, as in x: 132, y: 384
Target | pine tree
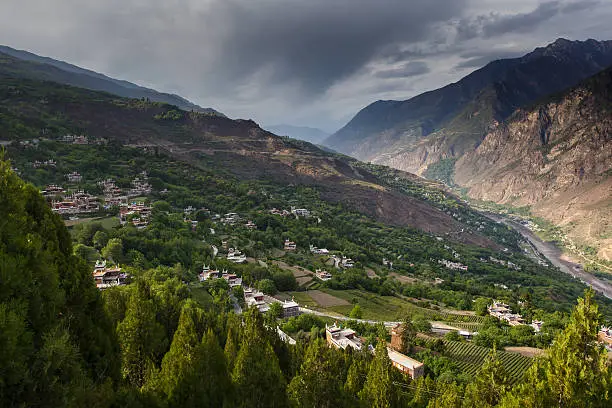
x: 574, y: 371
x: 379, y: 391
x: 408, y: 334
x: 490, y: 384
x: 215, y: 385
x: 424, y: 388
x: 356, y: 375
x: 179, y: 362
x: 257, y: 376
x: 450, y: 398
x: 319, y: 382
x: 232, y: 342
x: 141, y: 337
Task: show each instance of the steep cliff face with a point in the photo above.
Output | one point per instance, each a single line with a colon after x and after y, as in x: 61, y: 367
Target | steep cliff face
x: 448, y: 122
x: 555, y: 157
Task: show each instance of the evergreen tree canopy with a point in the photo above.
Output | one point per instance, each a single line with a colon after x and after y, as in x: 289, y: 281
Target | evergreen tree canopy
x: 379, y: 391
x: 257, y: 375
x: 56, y: 340
x: 319, y: 381
x: 574, y: 372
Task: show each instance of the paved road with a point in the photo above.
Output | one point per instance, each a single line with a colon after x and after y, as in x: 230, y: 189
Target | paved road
x: 553, y: 254
x: 340, y: 317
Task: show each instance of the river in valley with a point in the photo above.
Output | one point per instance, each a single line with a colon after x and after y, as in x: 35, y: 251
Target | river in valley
x: 555, y: 256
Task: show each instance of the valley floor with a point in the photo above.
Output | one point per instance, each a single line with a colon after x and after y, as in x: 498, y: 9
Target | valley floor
x: 555, y: 256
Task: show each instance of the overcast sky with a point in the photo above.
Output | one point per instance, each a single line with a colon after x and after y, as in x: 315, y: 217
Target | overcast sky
x: 302, y: 62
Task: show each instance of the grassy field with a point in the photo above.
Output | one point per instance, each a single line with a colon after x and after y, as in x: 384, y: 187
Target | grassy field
x: 373, y: 306
x: 376, y: 307
x: 201, y: 296
x: 107, y: 222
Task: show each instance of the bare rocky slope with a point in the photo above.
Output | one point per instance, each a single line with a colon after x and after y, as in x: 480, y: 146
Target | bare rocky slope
x: 414, y: 134
x: 555, y: 157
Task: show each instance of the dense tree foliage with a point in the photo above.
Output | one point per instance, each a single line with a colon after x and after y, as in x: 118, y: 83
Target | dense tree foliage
x: 55, y: 337
x: 153, y: 344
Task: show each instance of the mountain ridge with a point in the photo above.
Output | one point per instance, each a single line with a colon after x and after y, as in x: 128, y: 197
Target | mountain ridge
x: 553, y: 156
x: 449, y: 121
x: 70, y: 74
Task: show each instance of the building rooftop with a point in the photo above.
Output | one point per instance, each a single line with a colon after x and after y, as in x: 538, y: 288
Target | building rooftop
x: 402, y: 359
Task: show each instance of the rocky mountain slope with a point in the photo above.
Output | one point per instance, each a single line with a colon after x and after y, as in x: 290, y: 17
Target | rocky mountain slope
x: 27, y: 65
x: 448, y: 122
x: 555, y: 157
x: 33, y: 109
x: 312, y: 135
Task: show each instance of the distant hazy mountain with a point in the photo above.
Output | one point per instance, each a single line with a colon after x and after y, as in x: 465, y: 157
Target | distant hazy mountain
x: 555, y: 157
x: 36, y: 67
x: 448, y: 122
x: 308, y: 134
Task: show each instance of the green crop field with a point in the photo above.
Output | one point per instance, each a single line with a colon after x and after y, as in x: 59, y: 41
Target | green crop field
x: 471, y: 357
x: 392, y: 308
x: 470, y: 326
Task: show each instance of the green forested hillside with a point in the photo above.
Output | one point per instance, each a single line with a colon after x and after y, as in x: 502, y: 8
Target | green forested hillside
x: 149, y: 344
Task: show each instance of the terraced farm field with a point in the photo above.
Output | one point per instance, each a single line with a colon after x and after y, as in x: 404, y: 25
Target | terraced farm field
x: 470, y: 326
x: 471, y: 357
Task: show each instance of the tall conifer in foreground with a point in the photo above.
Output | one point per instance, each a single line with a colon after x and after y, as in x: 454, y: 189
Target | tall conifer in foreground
x: 257, y: 376
x: 56, y: 341
x: 574, y: 371
x: 319, y: 381
x: 379, y: 391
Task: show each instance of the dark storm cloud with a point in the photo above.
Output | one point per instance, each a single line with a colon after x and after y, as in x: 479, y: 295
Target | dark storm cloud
x: 279, y: 60
x: 409, y: 69
x: 580, y: 5
x: 524, y: 21
x: 318, y: 42
x: 496, y: 24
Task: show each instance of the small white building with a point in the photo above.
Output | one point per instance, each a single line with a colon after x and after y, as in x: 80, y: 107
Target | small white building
x: 323, y: 275
x: 290, y: 245
x: 74, y: 177
x: 235, y: 256
x: 342, y: 338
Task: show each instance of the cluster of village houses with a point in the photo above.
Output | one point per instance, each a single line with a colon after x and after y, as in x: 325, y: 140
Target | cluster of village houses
x: 297, y: 212
x: 44, y: 164
x: 453, y: 265
x: 252, y: 297
x: 342, y: 262
x: 509, y: 264
x: 503, y: 312
x: 106, y: 277
x: 341, y: 338
x: 82, y: 140
x: 81, y: 202
x: 138, y: 214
